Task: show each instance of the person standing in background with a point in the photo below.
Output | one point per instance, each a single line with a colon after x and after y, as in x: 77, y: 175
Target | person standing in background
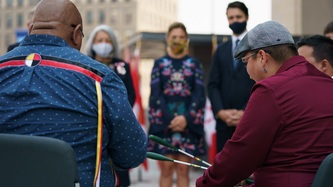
x: 176, y: 106
x: 102, y: 46
x: 318, y: 50
x: 328, y: 31
x: 229, y: 84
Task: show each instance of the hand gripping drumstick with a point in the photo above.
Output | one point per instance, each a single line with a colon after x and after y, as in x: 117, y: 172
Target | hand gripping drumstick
x: 165, y: 143
x: 156, y: 156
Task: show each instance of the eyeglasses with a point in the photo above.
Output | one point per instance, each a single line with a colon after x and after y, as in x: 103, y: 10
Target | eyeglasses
x: 74, y: 26
x: 245, y: 59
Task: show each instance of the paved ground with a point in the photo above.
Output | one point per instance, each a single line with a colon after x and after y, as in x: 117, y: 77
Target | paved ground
x: 150, y: 178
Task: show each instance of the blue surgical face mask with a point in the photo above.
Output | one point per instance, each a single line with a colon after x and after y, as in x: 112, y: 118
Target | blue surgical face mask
x: 238, y: 27
x: 102, y: 49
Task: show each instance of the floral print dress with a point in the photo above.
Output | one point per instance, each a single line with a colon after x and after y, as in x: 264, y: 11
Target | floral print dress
x: 177, y: 88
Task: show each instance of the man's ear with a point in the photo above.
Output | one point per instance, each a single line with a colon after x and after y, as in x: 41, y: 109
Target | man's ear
x: 325, y: 65
x: 30, y: 27
x: 263, y: 57
x: 77, y: 35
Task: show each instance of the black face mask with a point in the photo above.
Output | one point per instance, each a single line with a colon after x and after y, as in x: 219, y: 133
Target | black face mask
x: 238, y: 27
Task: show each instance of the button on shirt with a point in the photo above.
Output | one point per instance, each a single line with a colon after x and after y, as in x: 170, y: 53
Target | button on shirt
x: 56, y: 97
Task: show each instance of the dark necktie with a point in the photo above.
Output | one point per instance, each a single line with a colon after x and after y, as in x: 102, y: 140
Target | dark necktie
x: 235, y: 61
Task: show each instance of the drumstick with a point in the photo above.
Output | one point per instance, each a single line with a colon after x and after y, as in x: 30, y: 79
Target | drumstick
x: 156, y: 156
x: 165, y: 143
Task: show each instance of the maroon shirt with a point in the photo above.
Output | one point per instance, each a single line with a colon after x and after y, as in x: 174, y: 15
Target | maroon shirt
x: 284, y: 134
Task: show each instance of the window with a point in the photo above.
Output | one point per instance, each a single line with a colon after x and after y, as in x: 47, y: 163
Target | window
x: 89, y: 17
x: 9, y: 21
x: 101, y: 16
x: 20, y: 20
x: 20, y: 3
x: 9, y: 3
x: 33, y: 2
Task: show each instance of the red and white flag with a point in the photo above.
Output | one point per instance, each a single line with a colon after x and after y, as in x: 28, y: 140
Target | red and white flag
x: 138, y: 108
x: 210, y: 131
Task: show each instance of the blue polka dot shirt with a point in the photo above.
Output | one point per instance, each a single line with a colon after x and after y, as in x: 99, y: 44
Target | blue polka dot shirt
x: 48, y: 89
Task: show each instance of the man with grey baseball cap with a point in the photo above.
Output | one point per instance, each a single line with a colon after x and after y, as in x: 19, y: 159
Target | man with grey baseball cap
x: 267, y: 34
x: 284, y: 133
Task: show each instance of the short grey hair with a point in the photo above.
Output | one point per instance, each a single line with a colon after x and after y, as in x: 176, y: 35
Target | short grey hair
x: 109, y: 31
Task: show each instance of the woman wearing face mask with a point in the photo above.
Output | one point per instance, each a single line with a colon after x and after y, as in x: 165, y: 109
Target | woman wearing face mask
x: 176, y: 105
x: 102, y: 46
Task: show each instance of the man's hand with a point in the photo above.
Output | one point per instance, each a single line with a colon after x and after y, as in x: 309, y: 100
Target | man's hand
x: 230, y: 116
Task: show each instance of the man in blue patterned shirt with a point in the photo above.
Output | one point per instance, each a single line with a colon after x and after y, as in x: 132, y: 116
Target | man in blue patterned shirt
x: 48, y: 88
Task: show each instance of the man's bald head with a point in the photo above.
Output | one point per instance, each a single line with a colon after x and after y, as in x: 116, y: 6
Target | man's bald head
x: 59, y: 18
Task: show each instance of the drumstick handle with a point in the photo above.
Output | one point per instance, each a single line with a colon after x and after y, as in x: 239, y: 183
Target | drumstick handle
x: 198, y: 159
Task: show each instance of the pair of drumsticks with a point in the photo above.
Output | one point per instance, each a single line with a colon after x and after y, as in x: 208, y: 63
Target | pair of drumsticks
x: 156, y: 156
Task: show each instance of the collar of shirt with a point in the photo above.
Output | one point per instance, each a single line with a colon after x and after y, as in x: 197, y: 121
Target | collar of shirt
x: 291, y: 62
x: 44, y: 39
x: 234, y: 38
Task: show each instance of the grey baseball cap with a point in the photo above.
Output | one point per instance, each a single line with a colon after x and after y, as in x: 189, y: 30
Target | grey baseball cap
x: 266, y: 34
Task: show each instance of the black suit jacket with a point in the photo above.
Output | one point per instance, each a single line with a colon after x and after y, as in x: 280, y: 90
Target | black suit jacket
x: 227, y: 88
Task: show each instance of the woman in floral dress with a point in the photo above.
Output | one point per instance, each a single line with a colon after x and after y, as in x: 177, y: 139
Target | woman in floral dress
x: 176, y: 105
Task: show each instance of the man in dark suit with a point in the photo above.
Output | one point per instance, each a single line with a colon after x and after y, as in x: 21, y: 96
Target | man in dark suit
x: 229, y: 84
